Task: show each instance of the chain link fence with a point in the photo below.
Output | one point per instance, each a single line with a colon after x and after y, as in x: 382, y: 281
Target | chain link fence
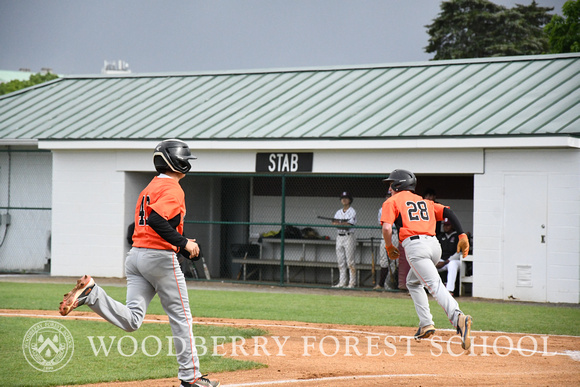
x: 278, y: 228
x: 25, y: 210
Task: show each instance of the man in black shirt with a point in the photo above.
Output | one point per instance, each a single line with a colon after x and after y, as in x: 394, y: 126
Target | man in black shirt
x: 450, y: 259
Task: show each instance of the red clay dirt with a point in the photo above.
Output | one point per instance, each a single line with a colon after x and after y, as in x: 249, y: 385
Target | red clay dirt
x: 318, y: 355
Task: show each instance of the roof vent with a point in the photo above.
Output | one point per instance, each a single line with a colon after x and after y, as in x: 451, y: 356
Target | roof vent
x: 116, y: 67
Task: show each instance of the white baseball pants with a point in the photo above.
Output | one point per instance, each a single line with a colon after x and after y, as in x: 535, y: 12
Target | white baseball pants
x: 423, y: 253
x: 383, y: 257
x: 345, y: 251
x: 148, y: 272
x: 452, y: 268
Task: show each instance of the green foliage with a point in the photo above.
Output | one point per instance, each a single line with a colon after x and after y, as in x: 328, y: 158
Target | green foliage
x: 34, y: 79
x: 564, y: 32
x: 481, y: 28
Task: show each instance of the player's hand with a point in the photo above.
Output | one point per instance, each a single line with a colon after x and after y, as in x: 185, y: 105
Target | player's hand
x: 392, y: 252
x: 192, y: 248
x: 441, y: 263
x: 463, y: 245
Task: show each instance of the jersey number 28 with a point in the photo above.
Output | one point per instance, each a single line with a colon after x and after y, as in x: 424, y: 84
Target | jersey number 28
x: 417, y: 211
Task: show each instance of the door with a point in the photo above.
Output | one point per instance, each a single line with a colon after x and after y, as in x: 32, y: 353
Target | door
x: 524, y: 242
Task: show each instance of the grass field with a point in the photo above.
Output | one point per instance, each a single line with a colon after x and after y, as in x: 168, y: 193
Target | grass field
x: 85, y: 367
x: 336, y: 309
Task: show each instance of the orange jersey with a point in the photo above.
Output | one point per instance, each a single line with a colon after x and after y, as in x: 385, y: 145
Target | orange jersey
x: 418, y: 215
x: 166, y: 197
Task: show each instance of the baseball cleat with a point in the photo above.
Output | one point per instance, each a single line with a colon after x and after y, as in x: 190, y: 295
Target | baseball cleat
x: 201, y: 382
x: 77, y: 296
x: 464, y: 329
x: 425, y: 332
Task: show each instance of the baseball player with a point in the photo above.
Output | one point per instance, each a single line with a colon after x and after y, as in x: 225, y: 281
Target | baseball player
x: 416, y: 218
x: 152, y: 266
x: 385, y: 263
x: 345, y: 241
x: 450, y: 259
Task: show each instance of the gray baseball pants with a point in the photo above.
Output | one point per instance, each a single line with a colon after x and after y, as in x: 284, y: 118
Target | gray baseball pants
x: 423, y: 253
x: 149, y: 272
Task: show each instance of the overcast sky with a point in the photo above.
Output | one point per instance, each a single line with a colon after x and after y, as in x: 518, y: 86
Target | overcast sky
x: 75, y: 37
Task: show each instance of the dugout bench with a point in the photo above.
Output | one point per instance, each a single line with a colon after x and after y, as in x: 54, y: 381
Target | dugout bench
x: 466, y: 276
x: 303, y: 254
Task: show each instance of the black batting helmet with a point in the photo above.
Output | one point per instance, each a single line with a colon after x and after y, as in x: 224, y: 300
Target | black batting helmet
x: 172, y: 155
x: 402, y: 180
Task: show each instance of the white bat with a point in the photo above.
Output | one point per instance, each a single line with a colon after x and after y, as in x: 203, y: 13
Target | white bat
x: 205, y: 269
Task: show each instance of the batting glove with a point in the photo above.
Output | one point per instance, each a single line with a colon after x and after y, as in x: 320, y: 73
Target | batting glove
x: 392, y: 252
x: 463, y: 245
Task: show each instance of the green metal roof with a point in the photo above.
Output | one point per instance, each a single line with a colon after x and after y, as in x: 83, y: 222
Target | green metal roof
x: 493, y: 96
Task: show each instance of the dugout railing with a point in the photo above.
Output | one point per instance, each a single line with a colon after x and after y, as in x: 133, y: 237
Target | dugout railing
x: 270, y: 231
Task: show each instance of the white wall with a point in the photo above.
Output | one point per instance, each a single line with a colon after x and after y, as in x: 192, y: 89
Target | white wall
x: 563, y: 221
x: 381, y: 161
x: 25, y: 183
x: 88, y: 214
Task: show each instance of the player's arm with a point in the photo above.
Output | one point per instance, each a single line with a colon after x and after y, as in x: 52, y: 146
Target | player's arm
x: 388, y: 214
x: 352, y: 219
x: 442, y: 263
x: 392, y: 251
x: 463, y: 244
x: 167, y: 230
x: 344, y: 222
x: 387, y: 233
x: 448, y: 213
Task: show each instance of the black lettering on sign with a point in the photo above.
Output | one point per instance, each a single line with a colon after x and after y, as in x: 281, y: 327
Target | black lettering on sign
x: 284, y: 162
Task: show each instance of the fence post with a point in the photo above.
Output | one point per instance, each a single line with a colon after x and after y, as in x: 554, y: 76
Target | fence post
x: 282, y: 231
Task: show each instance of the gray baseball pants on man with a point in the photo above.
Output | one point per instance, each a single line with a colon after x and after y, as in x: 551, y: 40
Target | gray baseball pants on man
x: 151, y: 271
x: 423, y: 252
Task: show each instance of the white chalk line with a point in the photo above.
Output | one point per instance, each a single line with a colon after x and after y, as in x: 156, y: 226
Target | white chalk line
x: 325, y: 379
x: 575, y: 355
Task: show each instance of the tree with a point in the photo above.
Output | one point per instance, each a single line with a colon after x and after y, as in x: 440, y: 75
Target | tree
x: 564, y: 33
x: 481, y: 28
x: 34, y: 79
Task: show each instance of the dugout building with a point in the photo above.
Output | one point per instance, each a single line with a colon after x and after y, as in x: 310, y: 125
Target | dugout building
x: 497, y: 138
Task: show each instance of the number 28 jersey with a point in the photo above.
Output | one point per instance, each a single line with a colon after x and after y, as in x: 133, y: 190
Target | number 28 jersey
x: 418, y: 216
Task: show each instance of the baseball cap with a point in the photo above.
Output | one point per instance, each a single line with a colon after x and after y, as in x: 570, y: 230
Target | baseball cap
x: 345, y: 194
x: 447, y: 222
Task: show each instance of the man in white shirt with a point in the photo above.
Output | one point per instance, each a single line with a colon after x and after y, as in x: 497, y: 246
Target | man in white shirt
x: 345, y: 241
